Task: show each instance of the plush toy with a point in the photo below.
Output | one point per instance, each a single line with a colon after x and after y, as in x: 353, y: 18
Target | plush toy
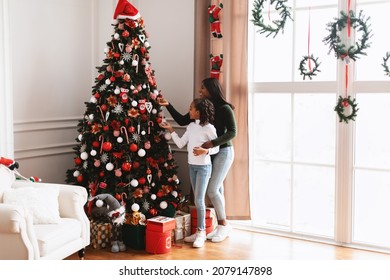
x: 116, y: 213
x: 216, y: 64
x: 215, y: 24
x: 124, y: 9
x: 13, y: 166
x: 10, y: 163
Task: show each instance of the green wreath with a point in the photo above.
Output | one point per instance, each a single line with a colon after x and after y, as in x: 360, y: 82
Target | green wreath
x: 307, y: 72
x: 342, y: 104
x: 333, y: 39
x: 258, y: 19
x: 385, y: 66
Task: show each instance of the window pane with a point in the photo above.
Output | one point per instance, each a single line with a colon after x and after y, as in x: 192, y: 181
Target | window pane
x: 313, y: 200
x: 271, y: 195
x: 372, y: 136
x: 314, y: 128
x: 273, y: 56
x: 371, y: 204
x: 272, y: 127
x: 328, y: 62
x: 369, y: 67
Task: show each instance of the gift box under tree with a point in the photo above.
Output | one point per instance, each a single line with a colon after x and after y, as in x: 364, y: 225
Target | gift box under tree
x: 183, y: 225
x: 100, y: 234
x: 159, y: 234
x: 210, y: 219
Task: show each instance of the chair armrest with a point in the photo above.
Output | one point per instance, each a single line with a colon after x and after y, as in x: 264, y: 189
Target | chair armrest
x: 12, y: 218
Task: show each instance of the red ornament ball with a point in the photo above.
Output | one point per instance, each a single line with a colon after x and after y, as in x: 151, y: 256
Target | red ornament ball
x: 136, y: 164
x: 345, y: 103
x: 95, y: 144
x: 107, y: 146
x: 103, y: 107
x: 142, y: 181
x: 77, y: 161
x: 80, y: 178
x: 126, y: 166
x: 133, y: 147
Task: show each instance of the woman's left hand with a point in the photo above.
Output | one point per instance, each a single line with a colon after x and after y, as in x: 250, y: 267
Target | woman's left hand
x: 207, y: 145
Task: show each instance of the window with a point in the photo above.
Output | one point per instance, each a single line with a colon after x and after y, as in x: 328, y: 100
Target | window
x: 312, y: 175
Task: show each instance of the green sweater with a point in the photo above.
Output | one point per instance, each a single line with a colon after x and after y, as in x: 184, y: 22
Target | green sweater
x: 224, y: 123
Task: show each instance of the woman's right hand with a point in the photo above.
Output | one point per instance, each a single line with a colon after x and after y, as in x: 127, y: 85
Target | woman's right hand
x: 162, y: 101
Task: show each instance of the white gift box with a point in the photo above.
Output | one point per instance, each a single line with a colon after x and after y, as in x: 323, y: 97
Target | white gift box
x: 183, y: 225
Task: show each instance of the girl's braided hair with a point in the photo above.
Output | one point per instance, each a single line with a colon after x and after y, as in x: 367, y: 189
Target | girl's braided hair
x: 206, y: 110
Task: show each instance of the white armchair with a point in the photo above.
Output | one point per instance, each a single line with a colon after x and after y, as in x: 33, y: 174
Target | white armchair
x: 23, y: 235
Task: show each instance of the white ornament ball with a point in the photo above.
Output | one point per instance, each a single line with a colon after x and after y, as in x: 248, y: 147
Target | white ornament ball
x: 93, y: 99
x: 143, y: 86
x: 154, y: 111
x: 109, y: 166
x: 147, y: 45
x: 134, y: 103
x: 108, y: 81
x: 163, y: 204
x: 174, y: 193
x: 132, y: 87
x: 93, y: 153
x: 134, y: 63
x: 119, y: 139
x: 99, y: 203
x: 167, y: 136
x: 117, y: 91
x: 134, y: 183
x: 153, y: 197
x: 135, y: 207
x: 91, y: 116
x: 121, y: 62
x: 143, y: 132
x: 76, y: 173
x: 84, y: 155
x: 116, y: 36
x: 80, y: 137
x: 141, y: 152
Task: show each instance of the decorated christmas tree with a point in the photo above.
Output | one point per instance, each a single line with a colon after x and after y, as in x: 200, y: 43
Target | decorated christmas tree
x: 121, y: 148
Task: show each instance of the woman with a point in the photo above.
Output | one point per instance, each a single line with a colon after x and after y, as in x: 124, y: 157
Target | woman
x: 225, y: 124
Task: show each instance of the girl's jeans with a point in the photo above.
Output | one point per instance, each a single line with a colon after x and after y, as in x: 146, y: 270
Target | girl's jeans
x: 199, y: 177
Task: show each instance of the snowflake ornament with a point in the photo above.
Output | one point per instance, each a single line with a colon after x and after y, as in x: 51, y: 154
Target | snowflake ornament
x: 146, y: 205
x: 104, y: 158
x: 103, y: 87
x: 118, y: 109
x: 127, y: 57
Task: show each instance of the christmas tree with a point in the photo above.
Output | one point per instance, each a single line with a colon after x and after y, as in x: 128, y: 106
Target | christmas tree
x: 121, y: 148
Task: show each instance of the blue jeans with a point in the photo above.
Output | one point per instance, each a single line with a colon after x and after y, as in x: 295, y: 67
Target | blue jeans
x: 221, y: 165
x: 199, y: 177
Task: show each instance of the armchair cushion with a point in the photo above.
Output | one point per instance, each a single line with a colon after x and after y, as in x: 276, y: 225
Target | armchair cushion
x: 41, y: 202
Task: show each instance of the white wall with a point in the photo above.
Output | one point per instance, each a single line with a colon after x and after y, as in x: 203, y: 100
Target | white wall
x: 56, y: 46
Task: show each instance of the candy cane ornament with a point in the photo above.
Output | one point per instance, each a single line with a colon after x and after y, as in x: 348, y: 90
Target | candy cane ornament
x: 124, y: 130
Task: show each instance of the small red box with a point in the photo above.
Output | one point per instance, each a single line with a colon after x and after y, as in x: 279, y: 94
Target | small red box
x: 158, y: 242
x: 208, y: 222
x: 161, y: 224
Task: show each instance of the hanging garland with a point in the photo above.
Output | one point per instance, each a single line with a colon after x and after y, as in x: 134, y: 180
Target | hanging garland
x: 385, y: 66
x: 309, y: 72
x: 342, y: 105
x: 335, y: 43
x: 258, y: 19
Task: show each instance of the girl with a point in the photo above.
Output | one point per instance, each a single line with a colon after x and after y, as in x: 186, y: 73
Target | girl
x: 199, y: 161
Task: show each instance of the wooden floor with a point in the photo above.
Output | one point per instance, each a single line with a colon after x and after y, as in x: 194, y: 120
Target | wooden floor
x: 244, y: 245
